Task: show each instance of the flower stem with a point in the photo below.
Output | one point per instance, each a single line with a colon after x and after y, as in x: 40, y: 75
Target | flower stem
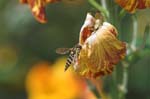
x: 123, y: 86
x: 100, y: 8
x: 134, y: 37
x: 146, y: 32
x: 104, y: 4
x: 99, y: 86
x: 122, y: 13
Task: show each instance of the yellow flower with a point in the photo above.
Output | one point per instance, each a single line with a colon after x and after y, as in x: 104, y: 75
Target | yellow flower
x: 38, y: 8
x: 101, y: 50
x: 132, y: 5
x: 46, y: 81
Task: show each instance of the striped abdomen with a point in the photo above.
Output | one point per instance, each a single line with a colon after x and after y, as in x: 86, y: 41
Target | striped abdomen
x: 70, y: 60
x: 72, y: 56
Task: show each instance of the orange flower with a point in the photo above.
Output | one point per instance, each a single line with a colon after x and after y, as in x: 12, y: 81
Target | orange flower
x: 38, y: 8
x: 132, y: 5
x: 101, y: 50
x: 51, y: 82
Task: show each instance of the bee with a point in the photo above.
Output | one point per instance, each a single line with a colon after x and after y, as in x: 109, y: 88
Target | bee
x: 73, y: 54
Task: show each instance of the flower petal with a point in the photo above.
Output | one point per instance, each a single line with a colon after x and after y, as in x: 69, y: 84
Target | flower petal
x: 45, y: 81
x: 24, y: 1
x: 129, y: 5
x: 52, y: 1
x: 100, y: 52
x: 132, y: 5
x: 147, y: 3
x: 38, y: 9
x: 141, y: 4
x: 87, y: 28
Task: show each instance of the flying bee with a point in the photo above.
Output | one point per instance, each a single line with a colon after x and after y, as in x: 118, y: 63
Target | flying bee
x: 73, y: 54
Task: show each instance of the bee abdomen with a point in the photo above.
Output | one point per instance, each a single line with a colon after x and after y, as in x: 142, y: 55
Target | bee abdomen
x: 73, y: 54
x: 69, y: 61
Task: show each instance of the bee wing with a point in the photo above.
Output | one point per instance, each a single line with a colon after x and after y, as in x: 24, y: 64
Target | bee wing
x: 63, y: 50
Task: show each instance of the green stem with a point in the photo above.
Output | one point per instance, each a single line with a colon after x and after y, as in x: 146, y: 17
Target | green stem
x: 100, y: 8
x: 104, y: 3
x: 134, y: 37
x: 99, y: 86
x: 122, y: 13
x: 114, y: 89
x: 145, y: 36
x: 123, y: 86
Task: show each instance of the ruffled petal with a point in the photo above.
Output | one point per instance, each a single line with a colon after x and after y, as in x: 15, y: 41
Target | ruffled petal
x: 132, y: 5
x: 87, y: 28
x: 24, y: 1
x: 141, y: 4
x: 38, y: 8
x: 100, y: 52
x: 52, y: 1
x: 147, y: 3
x: 129, y: 5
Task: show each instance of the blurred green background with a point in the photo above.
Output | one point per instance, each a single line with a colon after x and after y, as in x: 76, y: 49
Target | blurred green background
x: 24, y: 41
